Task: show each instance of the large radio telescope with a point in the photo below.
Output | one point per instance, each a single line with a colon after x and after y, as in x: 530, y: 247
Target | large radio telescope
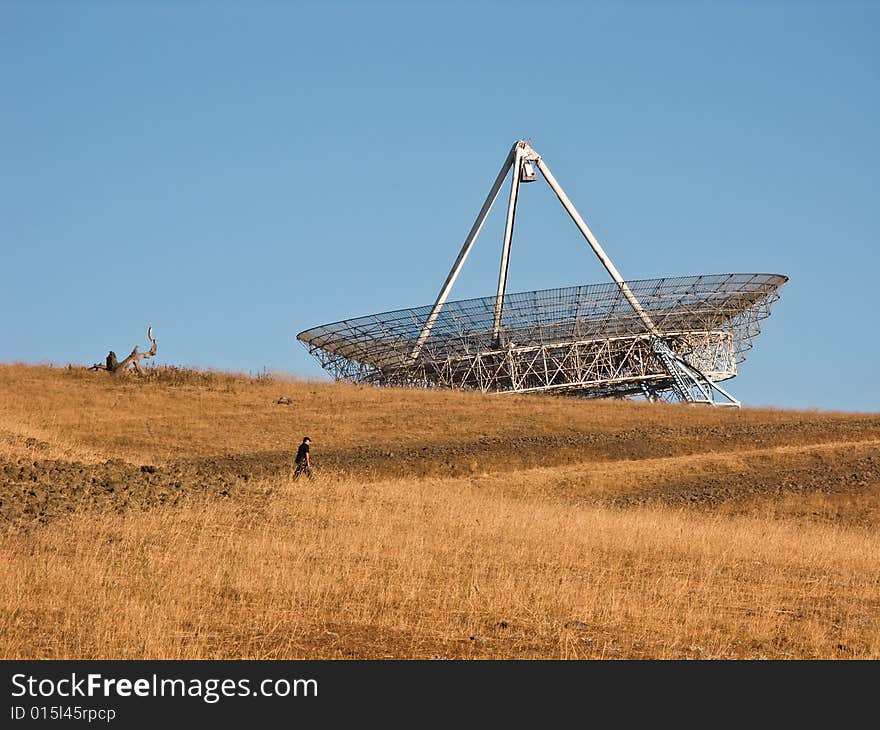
x: 670, y: 339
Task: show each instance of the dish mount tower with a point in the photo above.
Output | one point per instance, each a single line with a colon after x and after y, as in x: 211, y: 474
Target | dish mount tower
x: 671, y: 339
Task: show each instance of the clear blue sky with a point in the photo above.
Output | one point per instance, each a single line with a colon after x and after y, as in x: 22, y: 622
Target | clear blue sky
x: 235, y: 173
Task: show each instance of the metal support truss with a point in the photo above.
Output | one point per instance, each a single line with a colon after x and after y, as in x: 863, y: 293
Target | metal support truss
x: 583, y: 340
x: 690, y: 385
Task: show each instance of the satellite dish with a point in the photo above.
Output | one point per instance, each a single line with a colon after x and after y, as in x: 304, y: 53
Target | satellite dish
x: 661, y: 339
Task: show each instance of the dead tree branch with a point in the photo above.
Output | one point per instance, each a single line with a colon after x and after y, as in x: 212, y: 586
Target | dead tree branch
x: 112, y: 365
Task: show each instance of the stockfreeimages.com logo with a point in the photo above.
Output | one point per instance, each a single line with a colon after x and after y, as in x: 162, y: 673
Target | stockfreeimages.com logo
x: 209, y: 690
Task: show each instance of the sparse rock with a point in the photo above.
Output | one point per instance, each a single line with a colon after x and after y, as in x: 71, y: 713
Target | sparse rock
x: 577, y: 625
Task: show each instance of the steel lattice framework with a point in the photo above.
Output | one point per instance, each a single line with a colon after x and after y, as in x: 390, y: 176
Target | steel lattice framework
x: 672, y: 338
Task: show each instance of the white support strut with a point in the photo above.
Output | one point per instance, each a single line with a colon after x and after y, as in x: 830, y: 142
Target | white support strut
x: 465, y: 250
x: 594, y: 244
x: 508, y: 237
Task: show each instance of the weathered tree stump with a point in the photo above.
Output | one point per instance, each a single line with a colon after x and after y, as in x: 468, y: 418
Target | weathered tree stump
x: 112, y: 365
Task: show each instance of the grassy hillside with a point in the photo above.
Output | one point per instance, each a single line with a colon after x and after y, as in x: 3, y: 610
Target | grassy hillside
x: 157, y: 518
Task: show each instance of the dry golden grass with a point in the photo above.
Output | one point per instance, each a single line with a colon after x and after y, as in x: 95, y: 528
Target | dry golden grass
x: 571, y: 556
x: 435, y: 569
x: 218, y: 414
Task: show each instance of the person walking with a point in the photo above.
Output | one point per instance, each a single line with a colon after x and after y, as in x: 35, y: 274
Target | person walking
x: 303, y: 460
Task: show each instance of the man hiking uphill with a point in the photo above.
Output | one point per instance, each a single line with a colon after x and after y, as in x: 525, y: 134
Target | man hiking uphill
x: 303, y: 461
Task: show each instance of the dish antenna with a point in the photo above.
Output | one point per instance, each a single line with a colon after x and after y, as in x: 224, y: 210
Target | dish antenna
x: 663, y: 339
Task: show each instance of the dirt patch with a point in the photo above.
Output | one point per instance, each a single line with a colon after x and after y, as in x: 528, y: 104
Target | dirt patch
x: 36, y: 491
x: 524, y: 450
x: 761, y: 479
